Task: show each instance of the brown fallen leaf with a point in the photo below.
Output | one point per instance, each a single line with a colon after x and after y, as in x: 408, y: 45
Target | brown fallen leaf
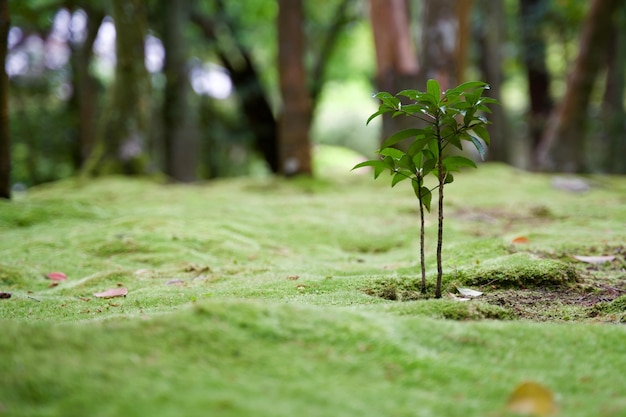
x: 57, y: 276
x: 532, y: 399
x: 596, y: 260
x: 115, y: 292
x: 520, y: 240
x: 5, y: 295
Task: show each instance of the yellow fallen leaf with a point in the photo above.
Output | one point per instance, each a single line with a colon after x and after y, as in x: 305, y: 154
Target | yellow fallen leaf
x: 532, y: 399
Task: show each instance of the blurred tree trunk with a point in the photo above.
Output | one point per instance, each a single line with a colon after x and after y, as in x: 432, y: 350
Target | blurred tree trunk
x: 463, y: 10
x: 440, y: 42
x: 245, y: 78
x: 83, y: 103
x: 5, y: 143
x: 342, y: 17
x: 563, y: 145
x: 613, y: 112
x: 491, y: 36
x: 295, y: 118
x: 122, y: 131
x: 533, y: 13
x: 397, y: 67
x: 181, y: 148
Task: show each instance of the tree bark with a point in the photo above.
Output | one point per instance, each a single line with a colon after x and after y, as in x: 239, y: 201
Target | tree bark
x: 440, y: 40
x: 84, y: 101
x: 491, y: 35
x: 563, y: 145
x: 613, y: 112
x: 181, y: 148
x: 397, y: 66
x: 5, y: 143
x: 295, y: 118
x: 463, y: 11
x: 533, y: 12
x: 247, y: 83
x: 122, y: 133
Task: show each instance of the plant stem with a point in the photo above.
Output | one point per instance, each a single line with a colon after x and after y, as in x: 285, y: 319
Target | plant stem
x: 422, y: 264
x: 441, y: 175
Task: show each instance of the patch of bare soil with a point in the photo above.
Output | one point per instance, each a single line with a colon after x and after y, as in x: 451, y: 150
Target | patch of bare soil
x: 559, y: 304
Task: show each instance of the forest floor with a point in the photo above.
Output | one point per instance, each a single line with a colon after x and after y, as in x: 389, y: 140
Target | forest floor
x: 269, y: 297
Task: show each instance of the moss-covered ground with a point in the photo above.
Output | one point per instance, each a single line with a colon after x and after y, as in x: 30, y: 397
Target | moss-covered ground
x: 267, y: 297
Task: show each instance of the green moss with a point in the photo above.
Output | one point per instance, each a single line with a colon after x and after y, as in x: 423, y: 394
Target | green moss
x: 519, y: 270
x: 246, y: 297
x: 616, y: 309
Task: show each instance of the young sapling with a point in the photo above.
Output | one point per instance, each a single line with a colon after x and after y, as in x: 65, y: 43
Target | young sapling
x: 450, y: 118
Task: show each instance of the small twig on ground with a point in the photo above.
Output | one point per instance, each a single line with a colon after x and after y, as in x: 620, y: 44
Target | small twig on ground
x: 33, y: 298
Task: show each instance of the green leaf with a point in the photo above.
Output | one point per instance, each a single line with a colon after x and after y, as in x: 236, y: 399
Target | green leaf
x: 414, y: 108
x: 454, y: 162
x: 449, y: 178
x: 406, y: 162
x: 399, y: 176
x: 478, y: 144
x: 382, y: 95
x: 481, y: 132
x: 378, y: 113
x: 417, y: 145
x: 410, y: 94
x: 400, y: 136
x: 432, y: 87
x: 471, y: 85
x: 390, y: 162
x: 370, y: 163
x: 428, y: 166
x: 392, y: 152
x: 422, y: 193
x: 378, y: 165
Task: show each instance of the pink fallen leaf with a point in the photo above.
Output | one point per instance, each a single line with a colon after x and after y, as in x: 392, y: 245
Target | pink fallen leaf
x: 115, y: 292
x: 595, y: 259
x: 57, y: 276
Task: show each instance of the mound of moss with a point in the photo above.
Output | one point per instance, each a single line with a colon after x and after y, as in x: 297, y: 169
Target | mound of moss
x: 519, y: 270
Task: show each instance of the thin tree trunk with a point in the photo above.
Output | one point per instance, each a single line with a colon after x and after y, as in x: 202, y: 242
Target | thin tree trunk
x: 84, y: 100
x: 295, y: 119
x: 122, y: 132
x: 181, y: 148
x: 440, y: 42
x: 245, y: 78
x: 613, y: 112
x: 491, y: 39
x: 463, y: 10
x: 340, y: 20
x: 563, y: 145
x: 533, y: 13
x: 397, y: 67
x: 5, y: 143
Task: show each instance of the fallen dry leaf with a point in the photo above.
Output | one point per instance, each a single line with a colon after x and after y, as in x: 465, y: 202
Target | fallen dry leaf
x: 468, y: 292
x: 115, y: 292
x: 594, y: 259
x: 57, y: 276
x: 5, y: 295
x: 532, y: 399
x: 520, y: 240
